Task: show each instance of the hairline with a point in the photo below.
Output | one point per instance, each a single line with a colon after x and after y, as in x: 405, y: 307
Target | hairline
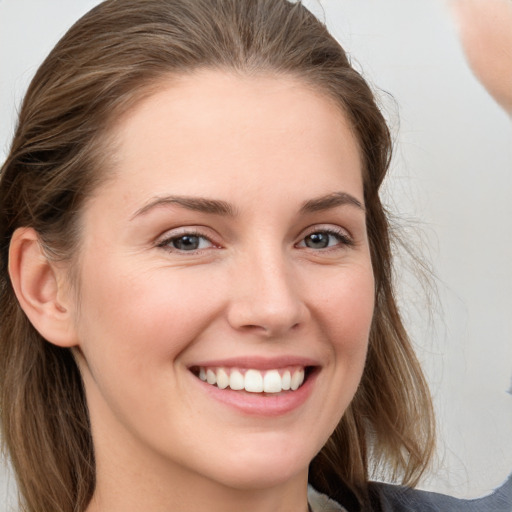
x: 106, y: 143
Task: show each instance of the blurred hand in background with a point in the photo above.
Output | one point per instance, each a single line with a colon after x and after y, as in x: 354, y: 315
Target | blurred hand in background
x: 485, y: 31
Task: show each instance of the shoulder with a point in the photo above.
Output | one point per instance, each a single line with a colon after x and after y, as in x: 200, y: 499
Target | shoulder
x: 392, y: 498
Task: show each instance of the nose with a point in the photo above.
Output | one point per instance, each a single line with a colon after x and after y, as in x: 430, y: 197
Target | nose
x: 265, y: 296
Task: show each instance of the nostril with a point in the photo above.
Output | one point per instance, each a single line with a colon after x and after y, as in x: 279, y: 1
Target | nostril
x: 270, y: 330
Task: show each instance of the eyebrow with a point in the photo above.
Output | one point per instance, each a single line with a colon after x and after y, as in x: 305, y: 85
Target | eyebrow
x: 198, y: 204
x: 330, y: 201
x: 218, y: 207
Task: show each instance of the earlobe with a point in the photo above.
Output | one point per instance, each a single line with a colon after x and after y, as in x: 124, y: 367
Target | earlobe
x: 38, y: 285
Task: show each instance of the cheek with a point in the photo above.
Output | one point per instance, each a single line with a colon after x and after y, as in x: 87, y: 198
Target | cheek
x: 133, y: 327
x: 344, y: 310
x: 348, y: 310
x: 345, y: 313
x: 134, y: 315
x: 352, y: 319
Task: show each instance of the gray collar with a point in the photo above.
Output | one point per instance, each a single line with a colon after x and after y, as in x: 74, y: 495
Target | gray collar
x: 321, y: 503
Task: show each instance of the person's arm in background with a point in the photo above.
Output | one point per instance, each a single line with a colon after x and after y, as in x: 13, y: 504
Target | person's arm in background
x: 485, y: 30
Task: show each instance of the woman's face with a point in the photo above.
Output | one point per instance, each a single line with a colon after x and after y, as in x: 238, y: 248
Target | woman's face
x: 230, y: 244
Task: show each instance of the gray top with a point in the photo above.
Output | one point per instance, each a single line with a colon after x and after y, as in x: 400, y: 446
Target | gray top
x: 321, y: 503
x: 392, y: 498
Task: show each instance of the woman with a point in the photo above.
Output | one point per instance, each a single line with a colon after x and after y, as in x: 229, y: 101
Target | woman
x: 197, y: 302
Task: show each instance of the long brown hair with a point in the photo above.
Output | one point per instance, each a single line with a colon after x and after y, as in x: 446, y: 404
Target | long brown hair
x: 108, y: 61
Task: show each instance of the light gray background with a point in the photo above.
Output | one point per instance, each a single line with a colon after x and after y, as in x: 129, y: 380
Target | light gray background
x: 451, y: 183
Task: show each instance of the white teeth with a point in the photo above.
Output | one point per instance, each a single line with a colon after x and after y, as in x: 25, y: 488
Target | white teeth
x: 211, y: 378
x: 286, y: 381
x: 236, y: 380
x: 272, y: 382
x: 297, y: 379
x: 253, y: 381
x: 222, y: 379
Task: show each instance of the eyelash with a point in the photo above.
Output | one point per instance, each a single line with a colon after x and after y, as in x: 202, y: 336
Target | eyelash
x: 167, y: 242
x: 343, y: 239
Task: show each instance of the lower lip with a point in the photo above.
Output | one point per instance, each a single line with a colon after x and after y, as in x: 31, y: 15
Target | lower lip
x: 258, y: 404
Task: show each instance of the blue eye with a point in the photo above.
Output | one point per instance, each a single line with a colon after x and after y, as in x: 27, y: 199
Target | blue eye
x: 187, y: 242
x: 325, y: 239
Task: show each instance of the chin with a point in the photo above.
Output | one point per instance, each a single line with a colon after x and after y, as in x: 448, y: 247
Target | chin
x: 262, y: 476
x: 263, y: 467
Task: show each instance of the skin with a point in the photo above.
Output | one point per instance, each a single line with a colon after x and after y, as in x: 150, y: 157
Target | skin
x: 253, y: 289
x: 485, y: 29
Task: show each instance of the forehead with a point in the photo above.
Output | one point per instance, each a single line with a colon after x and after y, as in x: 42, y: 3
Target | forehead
x: 244, y: 129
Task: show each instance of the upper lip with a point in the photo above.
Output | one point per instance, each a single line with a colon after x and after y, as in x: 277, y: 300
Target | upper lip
x: 257, y: 362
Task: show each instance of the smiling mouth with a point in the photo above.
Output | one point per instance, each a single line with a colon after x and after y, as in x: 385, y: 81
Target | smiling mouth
x: 254, y: 381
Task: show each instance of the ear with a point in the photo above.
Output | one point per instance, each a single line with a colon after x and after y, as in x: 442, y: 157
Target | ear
x: 41, y: 289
